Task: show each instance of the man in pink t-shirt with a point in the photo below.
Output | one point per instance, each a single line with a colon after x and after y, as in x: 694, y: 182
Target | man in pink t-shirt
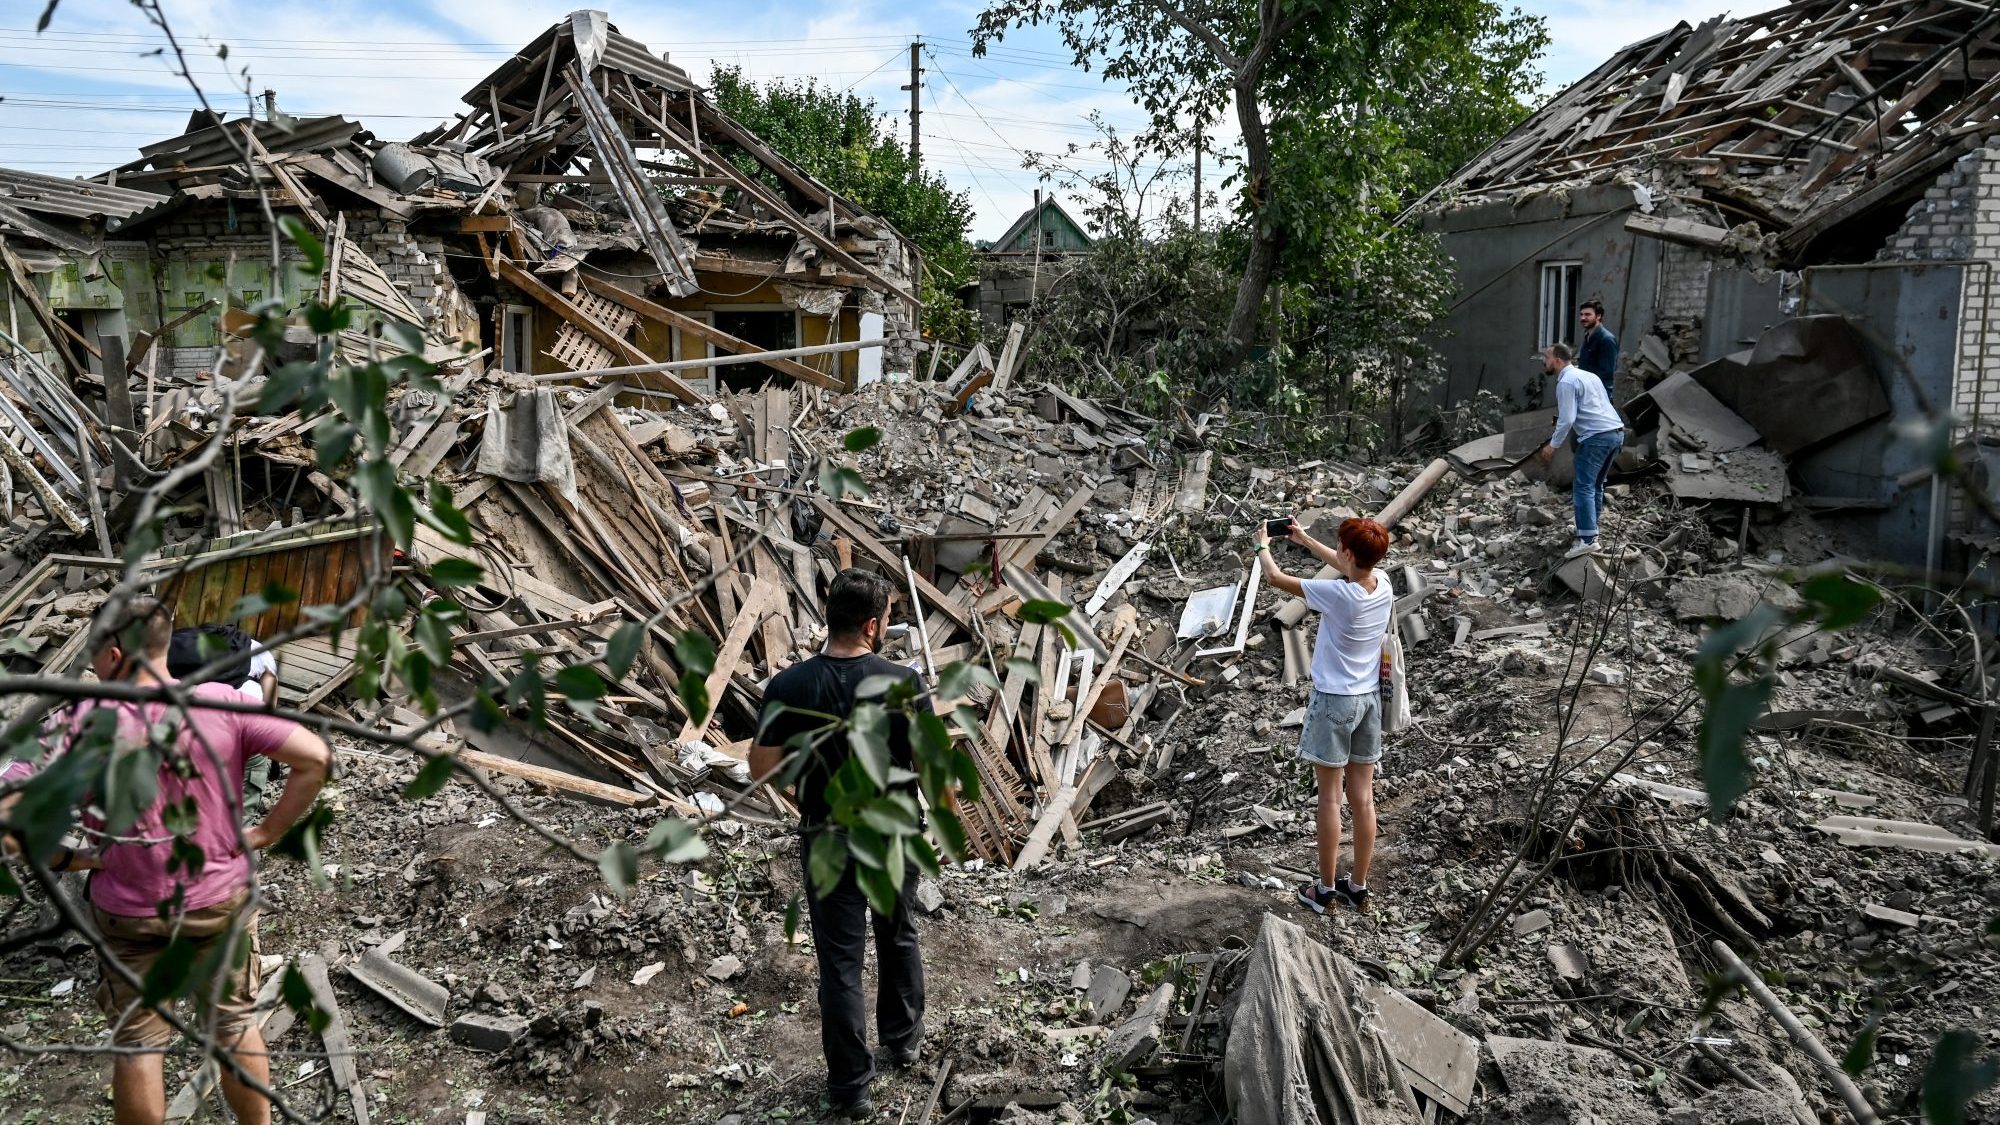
x: 145, y: 888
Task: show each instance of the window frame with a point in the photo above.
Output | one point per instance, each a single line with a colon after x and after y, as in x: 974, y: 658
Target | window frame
x: 1556, y: 306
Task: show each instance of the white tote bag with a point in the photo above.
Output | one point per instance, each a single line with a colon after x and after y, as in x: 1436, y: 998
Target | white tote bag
x: 1396, y: 689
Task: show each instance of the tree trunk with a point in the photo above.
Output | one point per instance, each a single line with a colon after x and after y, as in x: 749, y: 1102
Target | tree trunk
x: 1266, y: 238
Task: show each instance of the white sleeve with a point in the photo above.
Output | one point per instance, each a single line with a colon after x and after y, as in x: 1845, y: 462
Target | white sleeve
x: 261, y: 661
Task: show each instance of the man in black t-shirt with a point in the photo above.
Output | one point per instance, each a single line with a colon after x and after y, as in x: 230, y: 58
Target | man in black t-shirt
x: 857, y: 617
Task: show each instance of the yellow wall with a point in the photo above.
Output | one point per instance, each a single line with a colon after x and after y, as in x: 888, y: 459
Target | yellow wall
x: 717, y: 291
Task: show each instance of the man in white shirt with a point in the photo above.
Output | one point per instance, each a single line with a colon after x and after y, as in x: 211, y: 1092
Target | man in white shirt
x: 1583, y: 408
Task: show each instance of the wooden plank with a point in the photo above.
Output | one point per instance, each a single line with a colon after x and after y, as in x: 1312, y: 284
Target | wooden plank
x: 762, y: 599
x: 1043, y: 835
x: 663, y: 315
x: 339, y: 1048
x: 951, y: 607
x: 559, y: 780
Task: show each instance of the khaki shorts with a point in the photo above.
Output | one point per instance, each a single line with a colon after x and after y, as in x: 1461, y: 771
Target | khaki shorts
x: 138, y: 943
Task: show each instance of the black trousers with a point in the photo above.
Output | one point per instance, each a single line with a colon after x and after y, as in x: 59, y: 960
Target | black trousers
x: 840, y: 924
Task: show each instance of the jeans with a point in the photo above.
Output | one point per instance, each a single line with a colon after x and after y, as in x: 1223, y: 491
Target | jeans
x: 840, y: 924
x: 1594, y: 456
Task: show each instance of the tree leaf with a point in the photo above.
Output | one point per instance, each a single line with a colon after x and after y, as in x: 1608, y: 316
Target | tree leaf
x: 298, y: 996
x: 868, y: 737
x: 619, y: 864
x: 1954, y: 1077
x: 792, y: 921
x: 1725, y: 768
x: 827, y: 863
x: 694, y: 652
x: 861, y: 439
x: 1028, y: 668
x: 1041, y: 612
x: 431, y: 778
x: 1840, y: 600
x: 1861, y: 1054
x: 623, y: 649
x: 131, y: 784
x: 170, y: 973
x: 877, y: 884
x: 456, y: 574
x: 302, y: 237
x: 582, y: 687
x: 675, y: 840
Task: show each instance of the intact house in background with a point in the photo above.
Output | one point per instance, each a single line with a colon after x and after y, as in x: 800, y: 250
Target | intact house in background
x: 1021, y: 264
x: 1800, y: 211
x: 590, y: 209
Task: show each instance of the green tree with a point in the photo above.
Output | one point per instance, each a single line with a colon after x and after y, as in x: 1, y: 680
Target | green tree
x: 1346, y: 108
x: 841, y: 139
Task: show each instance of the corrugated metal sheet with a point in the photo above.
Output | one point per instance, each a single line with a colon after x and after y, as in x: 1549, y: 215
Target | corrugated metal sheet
x: 78, y: 199
x: 208, y: 147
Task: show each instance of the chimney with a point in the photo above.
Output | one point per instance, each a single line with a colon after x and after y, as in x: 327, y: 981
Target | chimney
x: 1038, y: 198
x: 270, y: 105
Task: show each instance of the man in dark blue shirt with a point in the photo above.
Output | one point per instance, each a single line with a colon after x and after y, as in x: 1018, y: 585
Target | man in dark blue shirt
x: 796, y: 704
x: 1597, y: 352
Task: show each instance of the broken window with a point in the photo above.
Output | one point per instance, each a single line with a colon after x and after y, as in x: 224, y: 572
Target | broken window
x: 1559, y: 285
x: 770, y: 327
x: 689, y: 346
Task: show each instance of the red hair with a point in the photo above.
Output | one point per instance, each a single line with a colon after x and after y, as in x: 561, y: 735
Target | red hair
x: 1365, y: 539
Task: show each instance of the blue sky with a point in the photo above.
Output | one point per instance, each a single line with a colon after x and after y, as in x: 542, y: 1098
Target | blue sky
x: 83, y: 96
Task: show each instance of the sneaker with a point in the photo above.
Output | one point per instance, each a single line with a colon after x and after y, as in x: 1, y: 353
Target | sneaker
x: 1581, y: 547
x: 905, y: 1057
x: 1319, y: 900
x: 1356, y: 897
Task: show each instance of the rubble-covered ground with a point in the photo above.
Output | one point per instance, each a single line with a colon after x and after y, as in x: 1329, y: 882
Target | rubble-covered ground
x: 1610, y: 954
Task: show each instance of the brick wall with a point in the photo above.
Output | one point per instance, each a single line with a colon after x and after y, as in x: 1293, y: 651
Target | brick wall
x: 1683, y: 284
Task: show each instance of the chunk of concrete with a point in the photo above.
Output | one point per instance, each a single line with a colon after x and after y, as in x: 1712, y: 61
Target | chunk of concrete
x: 1570, y: 966
x: 724, y: 967
x: 1890, y: 916
x: 1532, y: 922
x: 1588, y: 578
x: 1139, y: 1036
x: 1109, y: 986
x: 489, y: 1031
x: 415, y: 993
x: 930, y: 896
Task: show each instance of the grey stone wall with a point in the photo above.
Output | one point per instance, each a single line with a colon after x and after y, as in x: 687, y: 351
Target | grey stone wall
x: 1683, y: 283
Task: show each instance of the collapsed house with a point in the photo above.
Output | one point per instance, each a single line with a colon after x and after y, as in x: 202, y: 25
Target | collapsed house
x: 1715, y: 185
x: 1035, y: 252
x: 591, y: 208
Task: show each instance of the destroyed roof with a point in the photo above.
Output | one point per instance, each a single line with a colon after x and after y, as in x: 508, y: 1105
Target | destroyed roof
x: 1802, y: 116
x: 206, y: 152
x: 52, y: 208
x: 601, y: 41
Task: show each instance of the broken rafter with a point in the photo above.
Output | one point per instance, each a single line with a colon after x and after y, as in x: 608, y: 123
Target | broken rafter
x: 617, y: 160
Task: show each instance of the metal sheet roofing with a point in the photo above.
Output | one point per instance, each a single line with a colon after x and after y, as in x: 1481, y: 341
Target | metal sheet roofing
x: 78, y: 199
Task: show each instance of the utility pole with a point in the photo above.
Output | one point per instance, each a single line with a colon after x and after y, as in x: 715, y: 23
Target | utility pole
x: 916, y: 89
x: 1198, y: 138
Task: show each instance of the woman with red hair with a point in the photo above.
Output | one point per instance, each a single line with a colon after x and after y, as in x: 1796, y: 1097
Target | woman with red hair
x: 1343, y: 732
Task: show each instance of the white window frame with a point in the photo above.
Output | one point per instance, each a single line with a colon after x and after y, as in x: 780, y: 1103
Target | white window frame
x: 1560, y: 282
x: 687, y: 345
x: 517, y: 320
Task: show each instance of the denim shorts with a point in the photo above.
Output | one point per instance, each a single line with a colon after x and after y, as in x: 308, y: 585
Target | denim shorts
x: 1342, y: 729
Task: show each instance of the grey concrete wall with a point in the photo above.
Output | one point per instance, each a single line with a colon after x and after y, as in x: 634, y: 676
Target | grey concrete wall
x: 1499, y: 247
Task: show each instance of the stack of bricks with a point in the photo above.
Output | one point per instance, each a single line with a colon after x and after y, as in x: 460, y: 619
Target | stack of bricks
x: 1683, y: 284
x: 414, y: 262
